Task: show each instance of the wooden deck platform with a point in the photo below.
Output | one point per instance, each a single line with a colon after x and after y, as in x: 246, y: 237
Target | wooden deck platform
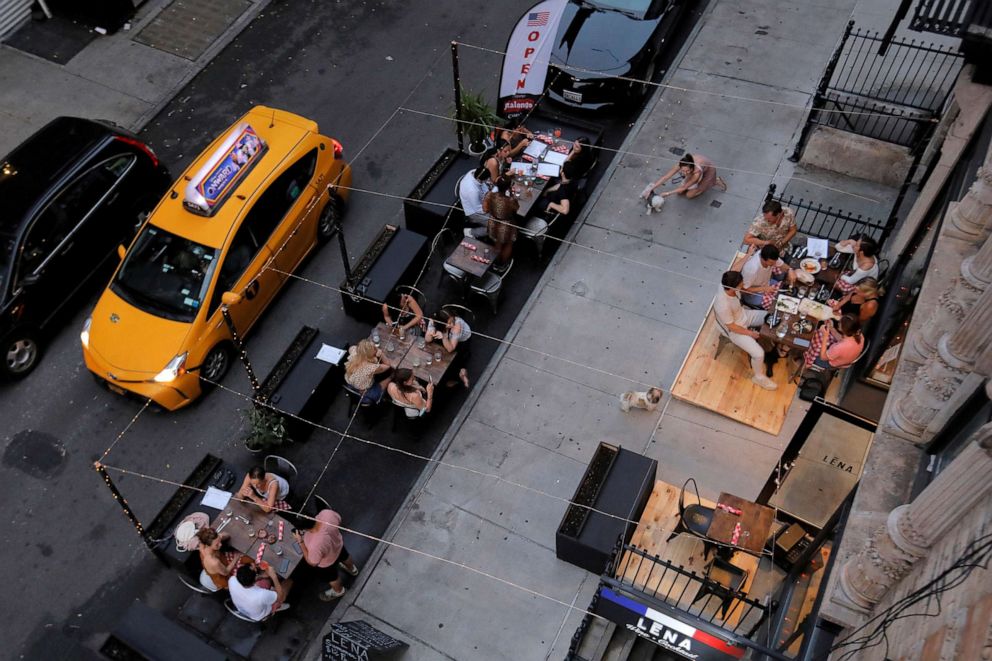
x: 656, y: 524
x: 724, y: 384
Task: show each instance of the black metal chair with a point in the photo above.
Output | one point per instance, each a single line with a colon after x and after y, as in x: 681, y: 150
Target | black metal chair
x: 280, y: 466
x: 321, y: 502
x: 200, y: 586
x: 694, y: 519
x: 417, y: 295
x: 357, y: 399
x: 725, y: 581
x: 233, y: 610
x: 490, y: 285
x: 536, y: 229
x: 460, y: 310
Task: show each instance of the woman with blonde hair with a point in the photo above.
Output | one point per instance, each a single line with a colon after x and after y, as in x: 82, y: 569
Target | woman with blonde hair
x: 862, y: 301
x: 364, y: 364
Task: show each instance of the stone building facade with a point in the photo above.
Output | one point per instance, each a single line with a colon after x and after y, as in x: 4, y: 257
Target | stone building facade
x: 908, y: 580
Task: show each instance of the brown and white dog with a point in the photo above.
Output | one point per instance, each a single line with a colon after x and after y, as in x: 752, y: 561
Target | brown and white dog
x: 642, y: 400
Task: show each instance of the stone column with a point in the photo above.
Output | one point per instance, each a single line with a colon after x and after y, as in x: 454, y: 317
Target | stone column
x: 973, y: 215
x: 943, y: 372
x: 911, y: 529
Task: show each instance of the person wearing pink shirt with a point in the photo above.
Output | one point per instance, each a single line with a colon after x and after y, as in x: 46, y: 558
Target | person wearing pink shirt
x: 323, y: 549
x: 841, y: 346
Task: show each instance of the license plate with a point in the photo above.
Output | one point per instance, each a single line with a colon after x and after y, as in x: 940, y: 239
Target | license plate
x: 574, y: 97
x: 116, y: 389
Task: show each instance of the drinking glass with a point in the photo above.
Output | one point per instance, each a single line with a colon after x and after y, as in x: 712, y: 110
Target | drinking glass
x: 783, y: 328
x: 437, y: 356
x: 375, y: 338
x: 421, y: 342
x: 390, y: 347
x: 416, y: 361
x: 402, y: 333
x: 430, y: 359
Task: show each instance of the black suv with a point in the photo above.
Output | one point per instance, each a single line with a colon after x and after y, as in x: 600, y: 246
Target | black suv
x: 71, y: 193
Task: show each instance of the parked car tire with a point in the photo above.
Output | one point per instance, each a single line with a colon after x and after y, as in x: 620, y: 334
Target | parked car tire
x: 330, y: 218
x: 215, y: 366
x: 20, y: 351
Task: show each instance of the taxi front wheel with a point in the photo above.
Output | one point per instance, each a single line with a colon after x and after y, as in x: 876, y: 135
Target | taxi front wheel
x: 215, y: 366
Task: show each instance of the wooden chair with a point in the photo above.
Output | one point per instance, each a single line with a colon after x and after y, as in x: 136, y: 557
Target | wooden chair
x: 490, y: 285
x: 723, y: 580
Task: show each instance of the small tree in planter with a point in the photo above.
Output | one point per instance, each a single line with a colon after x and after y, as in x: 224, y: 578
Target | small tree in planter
x: 477, y: 119
x: 266, y: 429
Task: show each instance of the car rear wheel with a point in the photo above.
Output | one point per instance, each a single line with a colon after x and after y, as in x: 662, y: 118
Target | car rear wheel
x: 215, y: 366
x: 330, y: 218
x: 21, y: 351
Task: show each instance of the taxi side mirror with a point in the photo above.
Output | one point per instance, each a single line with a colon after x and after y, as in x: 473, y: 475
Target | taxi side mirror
x: 229, y: 298
x: 121, y: 251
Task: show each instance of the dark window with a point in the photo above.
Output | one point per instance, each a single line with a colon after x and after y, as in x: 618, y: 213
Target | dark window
x: 279, y: 197
x: 953, y: 438
x: 64, y: 213
x: 243, y: 250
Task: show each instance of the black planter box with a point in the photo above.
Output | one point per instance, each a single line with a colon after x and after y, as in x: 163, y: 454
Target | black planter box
x: 384, y: 265
x: 428, y: 203
x: 302, y: 385
x: 618, y: 483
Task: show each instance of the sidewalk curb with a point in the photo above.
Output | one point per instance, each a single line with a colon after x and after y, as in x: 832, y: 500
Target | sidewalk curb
x: 201, y: 63
x: 313, y: 650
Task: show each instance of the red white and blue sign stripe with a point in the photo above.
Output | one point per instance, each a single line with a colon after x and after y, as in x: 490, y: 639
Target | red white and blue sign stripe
x: 538, y: 19
x: 665, y: 631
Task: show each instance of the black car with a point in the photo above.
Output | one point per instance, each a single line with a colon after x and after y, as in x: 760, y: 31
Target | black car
x: 599, y: 40
x: 71, y: 194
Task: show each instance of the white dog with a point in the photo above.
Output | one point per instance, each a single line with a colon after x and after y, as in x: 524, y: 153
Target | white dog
x: 655, y: 204
x: 642, y: 400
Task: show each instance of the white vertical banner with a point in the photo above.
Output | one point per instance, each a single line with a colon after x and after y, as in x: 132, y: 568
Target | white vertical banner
x: 525, y: 65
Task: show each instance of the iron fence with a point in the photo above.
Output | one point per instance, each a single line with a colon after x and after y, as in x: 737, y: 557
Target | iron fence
x: 950, y: 17
x: 814, y: 219
x: 893, y: 90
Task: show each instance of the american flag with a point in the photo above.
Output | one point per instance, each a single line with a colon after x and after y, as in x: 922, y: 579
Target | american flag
x: 538, y: 19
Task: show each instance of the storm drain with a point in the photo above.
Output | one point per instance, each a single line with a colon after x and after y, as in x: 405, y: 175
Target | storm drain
x: 187, y: 27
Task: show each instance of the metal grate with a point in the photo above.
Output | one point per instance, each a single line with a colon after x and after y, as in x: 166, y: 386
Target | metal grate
x: 814, y: 219
x: 950, y: 17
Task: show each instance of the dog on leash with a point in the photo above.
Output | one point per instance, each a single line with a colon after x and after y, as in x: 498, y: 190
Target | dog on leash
x: 655, y: 203
x: 647, y: 400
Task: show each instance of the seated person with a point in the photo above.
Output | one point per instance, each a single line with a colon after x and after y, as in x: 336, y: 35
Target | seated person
x: 471, y: 189
x: 257, y: 598
x: 454, y: 335
x: 865, y: 262
x: 759, y: 273
x: 862, y: 301
x: 560, y: 198
x: 407, y: 310
x: 583, y: 155
x: 267, y: 490
x: 740, y: 324
x: 517, y: 135
x: 407, y: 392
x: 366, y: 372
x: 776, y: 225
x: 499, y: 160
x: 218, y: 564
x: 840, y: 346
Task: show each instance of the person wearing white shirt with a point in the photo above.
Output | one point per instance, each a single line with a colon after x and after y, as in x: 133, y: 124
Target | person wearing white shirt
x: 253, y: 600
x: 865, y: 262
x: 740, y: 324
x: 758, y: 274
x: 472, y: 187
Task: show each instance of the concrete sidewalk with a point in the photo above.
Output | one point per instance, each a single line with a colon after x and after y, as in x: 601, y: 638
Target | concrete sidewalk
x: 114, y: 77
x: 629, y: 310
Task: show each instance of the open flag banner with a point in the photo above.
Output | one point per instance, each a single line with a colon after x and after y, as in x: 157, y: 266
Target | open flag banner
x: 663, y: 630
x: 525, y: 65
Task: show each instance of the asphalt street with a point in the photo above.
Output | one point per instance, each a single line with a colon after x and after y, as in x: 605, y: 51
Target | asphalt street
x: 71, y: 561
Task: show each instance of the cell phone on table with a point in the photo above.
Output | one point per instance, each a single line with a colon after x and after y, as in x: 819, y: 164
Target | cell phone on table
x: 298, y: 548
x: 284, y: 566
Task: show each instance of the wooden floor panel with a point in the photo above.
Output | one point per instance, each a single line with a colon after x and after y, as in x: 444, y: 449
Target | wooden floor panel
x: 724, y: 385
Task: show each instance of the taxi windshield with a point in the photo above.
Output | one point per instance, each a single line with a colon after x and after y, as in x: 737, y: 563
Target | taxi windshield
x: 166, y: 275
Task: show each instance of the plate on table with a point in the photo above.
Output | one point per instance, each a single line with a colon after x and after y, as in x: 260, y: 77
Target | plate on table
x: 787, y: 304
x: 845, y: 248
x: 810, y: 265
x: 802, y: 326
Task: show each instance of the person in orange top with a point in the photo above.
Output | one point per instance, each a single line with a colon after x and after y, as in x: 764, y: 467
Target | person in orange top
x: 323, y: 549
x: 218, y: 564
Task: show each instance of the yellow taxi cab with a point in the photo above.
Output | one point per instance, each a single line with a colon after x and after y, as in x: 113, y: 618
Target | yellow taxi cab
x: 239, y: 220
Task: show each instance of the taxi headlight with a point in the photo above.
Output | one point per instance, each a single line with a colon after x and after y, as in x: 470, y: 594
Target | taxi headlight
x: 84, y: 335
x: 173, y: 370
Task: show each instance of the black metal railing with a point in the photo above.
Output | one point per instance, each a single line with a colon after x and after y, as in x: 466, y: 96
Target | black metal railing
x: 814, y: 219
x: 893, y: 90
x: 950, y: 17
x: 673, y: 584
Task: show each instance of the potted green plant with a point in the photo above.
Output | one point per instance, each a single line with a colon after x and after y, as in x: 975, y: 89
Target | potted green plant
x: 266, y: 429
x: 477, y: 120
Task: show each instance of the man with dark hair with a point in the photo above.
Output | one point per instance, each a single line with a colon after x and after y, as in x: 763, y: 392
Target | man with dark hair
x: 472, y: 187
x: 253, y: 598
x: 561, y: 197
x: 739, y: 325
x: 762, y: 273
x: 775, y: 225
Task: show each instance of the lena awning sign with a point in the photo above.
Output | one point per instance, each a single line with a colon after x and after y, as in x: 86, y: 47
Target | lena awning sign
x: 525, y: 65
x: 232, y: 159
x: 665, y: 631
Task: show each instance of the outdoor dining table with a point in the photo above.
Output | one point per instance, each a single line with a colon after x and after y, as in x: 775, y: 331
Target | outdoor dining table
x: 828, y: 274
x: 407, y: 352
x: 755, y: 524
x: 389, y: 337
x: 244, y: 536
x: 472, y: 256
x: 527, y: 185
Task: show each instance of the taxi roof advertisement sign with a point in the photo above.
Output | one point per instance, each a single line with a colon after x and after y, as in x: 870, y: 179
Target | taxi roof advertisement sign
x: 227, y: 165
x: 665, y: 631
x: 525, y: 65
